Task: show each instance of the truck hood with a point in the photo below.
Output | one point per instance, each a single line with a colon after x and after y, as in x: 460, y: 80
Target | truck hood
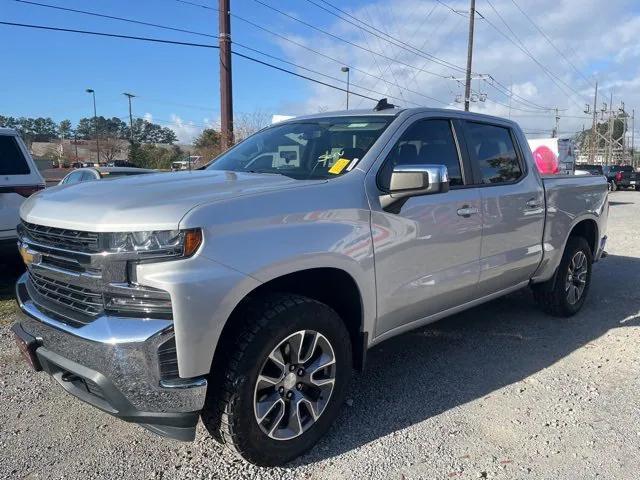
x: 144, y: 202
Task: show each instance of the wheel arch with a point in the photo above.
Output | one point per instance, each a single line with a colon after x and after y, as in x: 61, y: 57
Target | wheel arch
x: 588, y: 229
x: 332, y: 286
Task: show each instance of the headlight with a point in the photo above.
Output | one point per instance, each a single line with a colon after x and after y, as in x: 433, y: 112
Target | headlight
x: 162, y: 243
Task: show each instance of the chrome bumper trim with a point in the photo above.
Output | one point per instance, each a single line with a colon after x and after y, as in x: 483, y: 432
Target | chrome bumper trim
x: 123, y: 350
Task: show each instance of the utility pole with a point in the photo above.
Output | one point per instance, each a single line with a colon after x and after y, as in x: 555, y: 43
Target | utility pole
x: 556, y: 129
x: 594, y: 126
x: 610, y: 131
x: 467, y: 87
x: 510, y: 95
x: 130, y: 96
x: 633, y: 130
x: 226, y: 94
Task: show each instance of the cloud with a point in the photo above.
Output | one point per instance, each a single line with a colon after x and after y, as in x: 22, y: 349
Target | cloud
x: 187, y: 131
x: 589, y: 33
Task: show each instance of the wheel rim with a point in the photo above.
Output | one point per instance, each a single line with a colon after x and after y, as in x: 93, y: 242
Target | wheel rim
x: 576, y: 277
x: 294, y: 385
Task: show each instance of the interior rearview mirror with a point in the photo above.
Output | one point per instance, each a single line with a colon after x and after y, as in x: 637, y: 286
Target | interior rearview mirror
x: 415, y: 180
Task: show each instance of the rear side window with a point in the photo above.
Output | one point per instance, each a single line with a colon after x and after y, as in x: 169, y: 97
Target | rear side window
x: 75, y: 177
x: 12, y: 161
x: 493, y: 152
x: 426, y: 142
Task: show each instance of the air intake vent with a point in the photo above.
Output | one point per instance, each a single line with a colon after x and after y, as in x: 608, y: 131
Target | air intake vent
x: 168, y: 360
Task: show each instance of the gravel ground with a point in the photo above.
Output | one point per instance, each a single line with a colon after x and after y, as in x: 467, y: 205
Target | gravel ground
x: 501, y: 391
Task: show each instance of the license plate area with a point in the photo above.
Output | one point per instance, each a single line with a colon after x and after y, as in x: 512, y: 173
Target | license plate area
x: 27, y: 346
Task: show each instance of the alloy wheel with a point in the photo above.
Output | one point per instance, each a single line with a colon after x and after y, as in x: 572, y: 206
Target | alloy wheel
x: 294, y: 385
x: 576, y: 277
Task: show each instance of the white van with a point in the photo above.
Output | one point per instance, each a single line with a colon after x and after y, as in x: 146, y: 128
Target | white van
x: 19, y: 178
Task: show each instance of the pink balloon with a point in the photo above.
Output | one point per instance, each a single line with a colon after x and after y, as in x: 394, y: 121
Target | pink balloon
x: 546, y: 160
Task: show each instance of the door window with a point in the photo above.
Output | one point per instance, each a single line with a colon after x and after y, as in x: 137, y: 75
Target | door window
x: 493, y: 152
x: 426, y: 142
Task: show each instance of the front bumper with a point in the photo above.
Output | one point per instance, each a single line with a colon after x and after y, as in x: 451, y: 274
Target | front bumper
x: 112, y: 364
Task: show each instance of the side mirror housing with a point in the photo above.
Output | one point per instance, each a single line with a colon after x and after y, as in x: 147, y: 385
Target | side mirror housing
x: 415, y: 180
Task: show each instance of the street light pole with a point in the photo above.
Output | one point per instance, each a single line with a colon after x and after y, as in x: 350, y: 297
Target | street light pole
x: 347, y: 71
x: 130, y: 96
x: 95, y: 121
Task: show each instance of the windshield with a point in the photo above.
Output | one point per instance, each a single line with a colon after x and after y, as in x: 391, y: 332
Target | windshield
x: 308, y: 149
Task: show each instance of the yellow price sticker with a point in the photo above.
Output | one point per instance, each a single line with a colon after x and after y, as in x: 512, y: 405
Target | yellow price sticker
x: 339, y: 166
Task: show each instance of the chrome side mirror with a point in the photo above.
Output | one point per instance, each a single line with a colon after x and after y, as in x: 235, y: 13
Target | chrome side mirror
x: 415, y: 180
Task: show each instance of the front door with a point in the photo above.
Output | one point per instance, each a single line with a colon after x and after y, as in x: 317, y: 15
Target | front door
x: 426, y: 250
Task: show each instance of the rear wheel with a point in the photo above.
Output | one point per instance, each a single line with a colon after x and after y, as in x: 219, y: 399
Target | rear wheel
x: 565, y: 293
x: 285, y: 381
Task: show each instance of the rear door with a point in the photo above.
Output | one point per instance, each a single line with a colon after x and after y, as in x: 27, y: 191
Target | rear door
x: 427, y: 249
x: 19, y: 178
x: 512, y: 198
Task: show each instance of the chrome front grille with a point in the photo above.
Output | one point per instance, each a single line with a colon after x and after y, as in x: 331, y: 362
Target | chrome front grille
x: 62, y: 238
x: 79, y: 299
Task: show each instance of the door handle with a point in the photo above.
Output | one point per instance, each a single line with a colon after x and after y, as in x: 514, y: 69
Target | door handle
x: 466, y: 211
x: 533, y: 203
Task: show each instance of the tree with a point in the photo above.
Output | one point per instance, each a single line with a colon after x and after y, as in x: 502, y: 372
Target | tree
x: 65, y: 129
x: 247, y: 124
x: 38, y: 129
x: 208, y: 144
x: 153, y: 156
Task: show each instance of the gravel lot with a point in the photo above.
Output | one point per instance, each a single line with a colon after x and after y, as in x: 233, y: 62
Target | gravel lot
x: 500, y: 391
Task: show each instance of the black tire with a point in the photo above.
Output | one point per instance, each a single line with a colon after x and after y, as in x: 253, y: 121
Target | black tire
x: 552, y: 295
x: 614, y: 187
x: 229, y: 414
x: 637, y: 188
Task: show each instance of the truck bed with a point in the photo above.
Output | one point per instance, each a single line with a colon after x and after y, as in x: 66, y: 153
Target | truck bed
x: 569, y: 199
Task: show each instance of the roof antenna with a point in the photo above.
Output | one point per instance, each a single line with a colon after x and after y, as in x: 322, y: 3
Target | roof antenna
x: 383, y: 104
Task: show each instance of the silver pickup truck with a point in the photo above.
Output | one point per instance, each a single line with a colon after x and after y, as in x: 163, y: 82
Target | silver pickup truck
x: 246, y: 293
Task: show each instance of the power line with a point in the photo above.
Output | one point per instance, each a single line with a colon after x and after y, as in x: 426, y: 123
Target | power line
x: 546, y: 37
x: 424, y: 21
x: 328, y: 76
x: 520, y: 45
x: 113, y: 35
x: 129, y: 20
x: 190, y: 44
x: 194, y: 4
x: 111, y: 17
x: 372, y: 30
x: 328, y: 57
x: 337, y: 37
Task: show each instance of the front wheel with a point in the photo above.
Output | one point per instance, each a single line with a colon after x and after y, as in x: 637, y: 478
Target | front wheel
x: 565, y: 293
x: 612, y: 186
x: 285, y: 382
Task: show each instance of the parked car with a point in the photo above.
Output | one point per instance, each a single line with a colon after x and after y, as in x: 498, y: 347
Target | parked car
x: 621, y: 177
x: 590, y: 169
x: 244, y: 294
x: 121, y: 163
x: 19, y: 178
x: 101, y: 173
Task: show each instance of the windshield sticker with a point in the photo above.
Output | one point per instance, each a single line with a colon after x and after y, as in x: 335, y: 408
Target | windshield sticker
x: 339, y: 166
x: 357, y: 125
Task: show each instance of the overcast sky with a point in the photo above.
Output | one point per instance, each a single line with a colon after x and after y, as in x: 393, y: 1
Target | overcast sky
x: 45, y: 73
